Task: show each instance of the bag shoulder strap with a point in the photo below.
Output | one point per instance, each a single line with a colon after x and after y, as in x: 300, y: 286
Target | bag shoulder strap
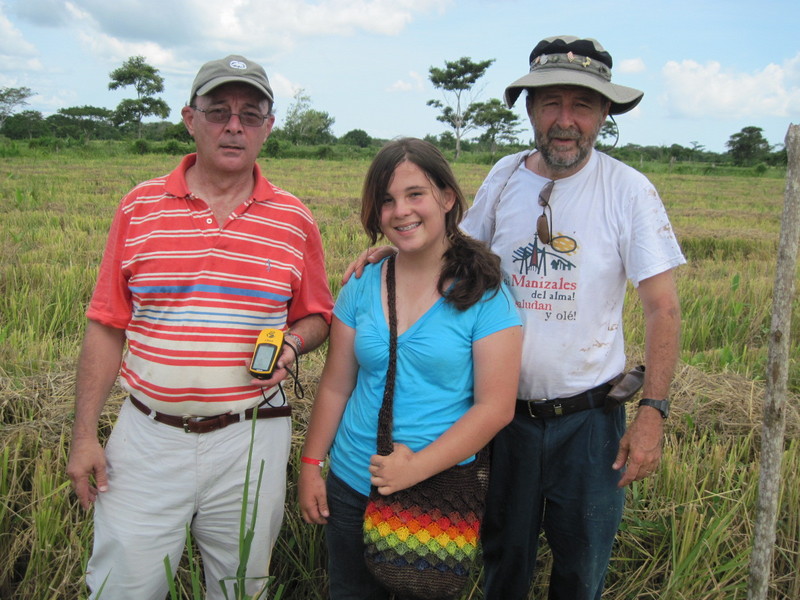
x: 385, y: 445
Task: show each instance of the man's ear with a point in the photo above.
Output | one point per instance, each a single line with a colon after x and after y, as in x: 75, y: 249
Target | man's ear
x: 270, y: 123
x: 187, y: 114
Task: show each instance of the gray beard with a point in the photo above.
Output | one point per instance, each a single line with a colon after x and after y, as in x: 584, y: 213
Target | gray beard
x: 558, y: 162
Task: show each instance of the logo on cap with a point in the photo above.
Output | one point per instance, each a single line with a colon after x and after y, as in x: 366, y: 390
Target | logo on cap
x: 237, y: 64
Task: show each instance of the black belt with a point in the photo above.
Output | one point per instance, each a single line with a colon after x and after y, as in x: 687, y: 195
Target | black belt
x: 206, y: 424
x: 559, y: 407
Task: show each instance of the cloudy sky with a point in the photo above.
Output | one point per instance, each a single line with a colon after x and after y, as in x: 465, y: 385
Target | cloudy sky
x: 708, y: 67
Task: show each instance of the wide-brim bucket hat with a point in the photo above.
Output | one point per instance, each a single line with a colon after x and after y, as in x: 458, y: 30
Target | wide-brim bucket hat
x: 569, y: 60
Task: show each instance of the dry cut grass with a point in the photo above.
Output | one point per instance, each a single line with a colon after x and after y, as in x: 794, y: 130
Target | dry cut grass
x: 686, y: 531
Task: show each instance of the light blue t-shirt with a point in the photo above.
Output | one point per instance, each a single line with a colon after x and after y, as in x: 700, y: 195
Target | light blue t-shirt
x: 434, y: 382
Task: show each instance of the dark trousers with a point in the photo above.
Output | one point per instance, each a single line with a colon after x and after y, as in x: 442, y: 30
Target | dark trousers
x: 554, y: 475
x: 348, y: 575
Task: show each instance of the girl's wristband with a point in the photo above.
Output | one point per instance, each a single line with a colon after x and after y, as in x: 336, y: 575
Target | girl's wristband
x: 312, y: 461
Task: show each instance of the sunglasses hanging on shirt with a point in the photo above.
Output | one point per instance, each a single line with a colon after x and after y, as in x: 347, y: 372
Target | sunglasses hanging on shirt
x: 544, y: 224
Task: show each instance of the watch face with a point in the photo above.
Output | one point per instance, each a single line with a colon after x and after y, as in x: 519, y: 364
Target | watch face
x: 661, y: 405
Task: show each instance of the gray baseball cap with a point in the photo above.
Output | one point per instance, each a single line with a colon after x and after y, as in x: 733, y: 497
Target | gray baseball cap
x: 230, y: 69
x: 568, y: 60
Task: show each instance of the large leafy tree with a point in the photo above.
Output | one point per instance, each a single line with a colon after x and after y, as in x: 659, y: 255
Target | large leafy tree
x: 501, y: 124
x: 10, y: 99
x: 24, y: 125
x: 456, y: 81
x: 748, y: 146
x: 147, y: 82
x: 83, y: 122
x: 305, y: 125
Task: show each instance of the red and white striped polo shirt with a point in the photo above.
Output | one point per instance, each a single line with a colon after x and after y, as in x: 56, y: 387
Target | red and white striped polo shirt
x: 192, y: 296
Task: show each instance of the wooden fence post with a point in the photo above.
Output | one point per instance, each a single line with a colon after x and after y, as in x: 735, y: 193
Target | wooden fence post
x: 774, y: 426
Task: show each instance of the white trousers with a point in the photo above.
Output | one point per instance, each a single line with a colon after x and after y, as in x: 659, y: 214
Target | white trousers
x: 160, y: 480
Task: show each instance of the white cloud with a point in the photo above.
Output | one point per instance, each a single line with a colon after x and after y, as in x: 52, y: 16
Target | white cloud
x: 21, y: 64
x: 114, y: 49
x: 118, y: 50
x: 338, y: 17
x: 400, y: 86
x: 282, y: 86
x: 51, y: 104
x: 792, y: 71
x: 45, y: 13
x: 251, y: 25
x: 708, y: 90
x: 163, y: 32
x: 16, y: 53
x: 417, y: 83
x: 631, y: 65
x: 634, y: 113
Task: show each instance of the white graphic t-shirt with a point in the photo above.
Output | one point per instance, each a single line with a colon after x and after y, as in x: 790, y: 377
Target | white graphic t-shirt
x: 608, y: 226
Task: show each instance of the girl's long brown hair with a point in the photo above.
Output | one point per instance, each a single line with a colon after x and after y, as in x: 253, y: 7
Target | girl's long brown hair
x: 473, y: 268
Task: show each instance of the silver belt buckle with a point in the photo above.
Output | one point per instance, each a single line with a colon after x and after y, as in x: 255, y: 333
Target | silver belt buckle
x: 530, y: 403
x: 558, y: 409
x: 187, y: 420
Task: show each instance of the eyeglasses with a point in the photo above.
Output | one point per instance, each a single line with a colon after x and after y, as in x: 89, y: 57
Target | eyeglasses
x: 223, y: 115
x: 544, y: 225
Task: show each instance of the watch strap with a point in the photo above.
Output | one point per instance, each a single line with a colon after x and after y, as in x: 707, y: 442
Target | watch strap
x: 661, y: 406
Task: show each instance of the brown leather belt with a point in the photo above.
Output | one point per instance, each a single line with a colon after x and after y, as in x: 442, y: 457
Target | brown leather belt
x: 206, y: 424
x: 559, y: 407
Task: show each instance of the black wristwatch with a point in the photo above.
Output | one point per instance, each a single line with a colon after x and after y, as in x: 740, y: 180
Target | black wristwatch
x: 661, y: 406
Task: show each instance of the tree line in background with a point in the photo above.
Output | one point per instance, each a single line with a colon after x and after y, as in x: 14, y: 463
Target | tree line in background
x: 459, y: 109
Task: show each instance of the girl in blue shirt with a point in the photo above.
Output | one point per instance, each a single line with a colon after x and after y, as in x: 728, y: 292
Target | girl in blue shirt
x: 458, y: 356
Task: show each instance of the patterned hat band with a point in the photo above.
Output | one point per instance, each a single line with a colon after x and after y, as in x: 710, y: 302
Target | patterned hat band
x: 565, y: 60
x: 571, y: 61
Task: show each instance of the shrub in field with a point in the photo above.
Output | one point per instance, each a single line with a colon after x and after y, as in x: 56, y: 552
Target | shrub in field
x: 175, y: 148
x: 140, y: 146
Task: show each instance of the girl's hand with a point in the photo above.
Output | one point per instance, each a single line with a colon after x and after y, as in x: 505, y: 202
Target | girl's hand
x: 312, y: 496
x: 394, y: 472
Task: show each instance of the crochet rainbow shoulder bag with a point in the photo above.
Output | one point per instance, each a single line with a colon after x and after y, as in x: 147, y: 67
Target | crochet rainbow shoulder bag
x: 421, y: 542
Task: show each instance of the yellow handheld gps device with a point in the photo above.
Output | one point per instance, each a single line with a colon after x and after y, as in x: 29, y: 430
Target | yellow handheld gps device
x: 268, y: 348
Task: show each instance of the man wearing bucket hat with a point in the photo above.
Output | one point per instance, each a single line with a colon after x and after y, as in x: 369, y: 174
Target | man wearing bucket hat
x: 571, y: 226
x: 197, y: 263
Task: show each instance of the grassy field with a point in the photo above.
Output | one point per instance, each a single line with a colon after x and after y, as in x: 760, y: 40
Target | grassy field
x: 686, y: 532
